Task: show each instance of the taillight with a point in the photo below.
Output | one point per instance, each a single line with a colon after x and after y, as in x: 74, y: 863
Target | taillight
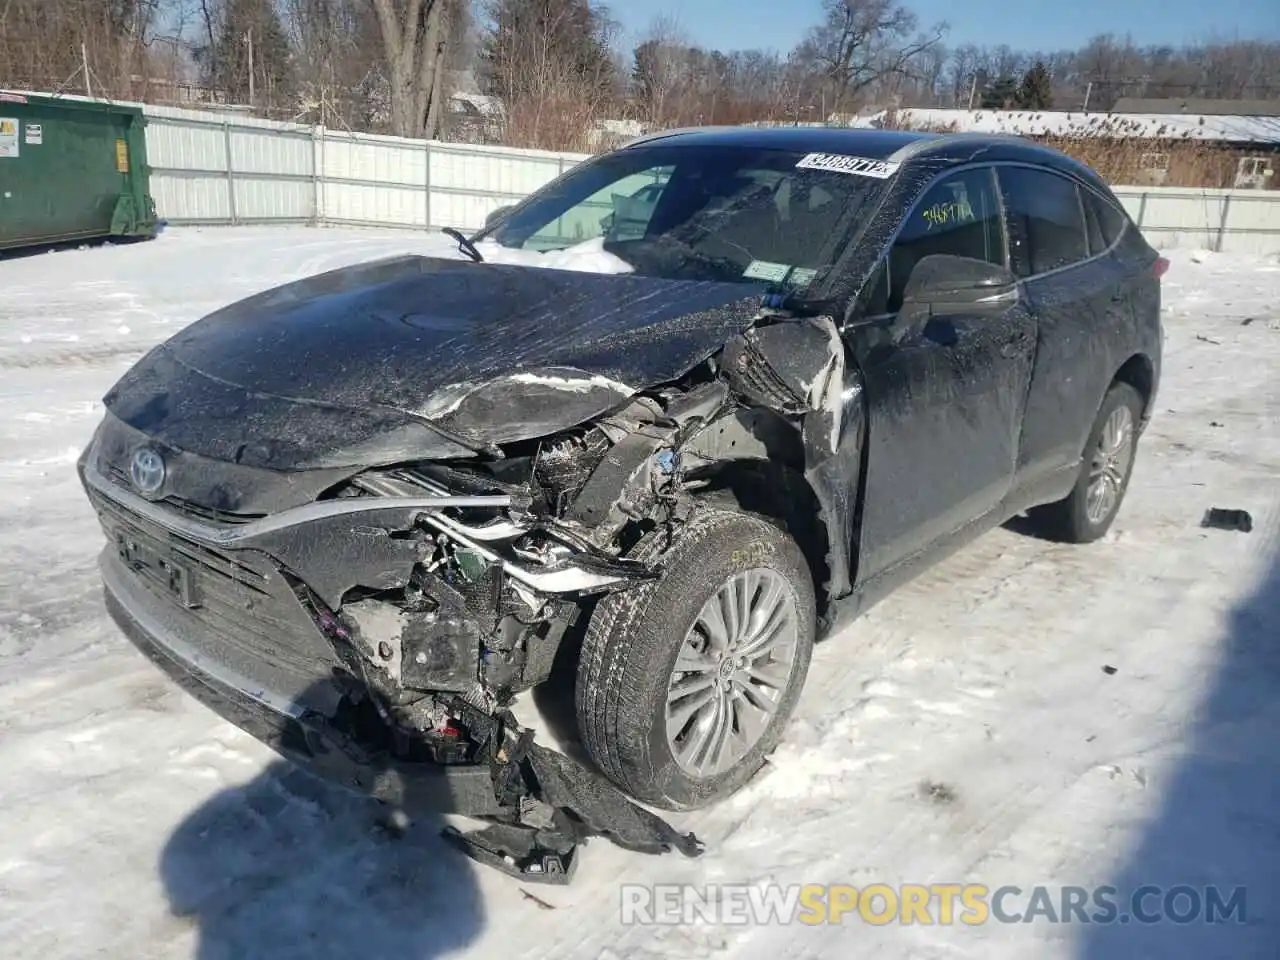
x: 1160, y: 267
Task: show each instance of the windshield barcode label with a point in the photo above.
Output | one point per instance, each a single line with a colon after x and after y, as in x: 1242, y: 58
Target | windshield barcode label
x: 862, y: 166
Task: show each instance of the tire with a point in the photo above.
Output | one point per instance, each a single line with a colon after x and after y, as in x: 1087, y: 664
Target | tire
x: 631, y: 646
x: 1070, y: 520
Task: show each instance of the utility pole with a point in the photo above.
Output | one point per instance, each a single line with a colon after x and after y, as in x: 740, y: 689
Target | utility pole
x: 973, y: 90
x: 1087, y: 90
x: 248, y: 38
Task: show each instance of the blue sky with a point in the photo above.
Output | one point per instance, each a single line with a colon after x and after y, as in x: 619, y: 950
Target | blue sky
x: 1024, y: 24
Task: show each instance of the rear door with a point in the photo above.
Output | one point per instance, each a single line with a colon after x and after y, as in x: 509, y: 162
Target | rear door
x: 945, y: 397
x: 1080, y: 294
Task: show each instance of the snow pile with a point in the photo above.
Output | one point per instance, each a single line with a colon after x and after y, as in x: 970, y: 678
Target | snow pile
x: 589, y: 256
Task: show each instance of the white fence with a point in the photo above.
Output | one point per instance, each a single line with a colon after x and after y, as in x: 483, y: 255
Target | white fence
x: 1245, y: 221
x: 215, y: 169
x: 211, y: 168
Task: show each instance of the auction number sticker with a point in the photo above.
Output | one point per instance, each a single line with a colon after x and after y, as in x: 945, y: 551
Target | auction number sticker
x: 840, y: 163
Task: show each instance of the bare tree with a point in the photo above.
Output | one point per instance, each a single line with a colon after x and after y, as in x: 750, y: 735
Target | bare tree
x: 46, y: 44
x: 245, y: 55
x: 415, y: 36
x: 863, y: 41
x: 662, y: 74
x: 550, y: 62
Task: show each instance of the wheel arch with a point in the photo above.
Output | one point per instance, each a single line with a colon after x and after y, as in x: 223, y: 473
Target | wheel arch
x: 1138, y: 372
x: 780, y: 492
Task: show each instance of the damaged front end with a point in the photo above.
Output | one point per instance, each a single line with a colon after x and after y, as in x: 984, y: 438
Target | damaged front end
x: 379, y: 631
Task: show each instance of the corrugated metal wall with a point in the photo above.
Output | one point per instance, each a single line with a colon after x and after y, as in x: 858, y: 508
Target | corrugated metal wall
x: 209, y: 168
x: 1245, y: 221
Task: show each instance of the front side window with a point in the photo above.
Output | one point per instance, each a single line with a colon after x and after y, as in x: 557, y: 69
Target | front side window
x: 960, y: 216
x: 699, y: 212
x: 1046, y: 220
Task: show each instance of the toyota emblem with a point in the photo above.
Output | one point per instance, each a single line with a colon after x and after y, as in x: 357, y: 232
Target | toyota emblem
x: 146, y: 469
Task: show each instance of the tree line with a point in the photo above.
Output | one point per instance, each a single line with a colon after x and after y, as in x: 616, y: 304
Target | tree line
x: 560, y: 66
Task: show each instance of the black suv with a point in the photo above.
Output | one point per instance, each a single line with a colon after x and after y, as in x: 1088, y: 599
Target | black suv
x: 662, y: 425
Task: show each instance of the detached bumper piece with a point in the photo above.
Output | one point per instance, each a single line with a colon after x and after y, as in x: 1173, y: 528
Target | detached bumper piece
x: 560, y: 805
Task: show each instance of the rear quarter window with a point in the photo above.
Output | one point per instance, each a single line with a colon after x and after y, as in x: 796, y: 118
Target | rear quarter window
x: 1107, y: 223
x: 1047, y: 229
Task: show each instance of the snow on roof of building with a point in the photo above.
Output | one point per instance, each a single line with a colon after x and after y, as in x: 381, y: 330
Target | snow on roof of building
x: 1032, y: 123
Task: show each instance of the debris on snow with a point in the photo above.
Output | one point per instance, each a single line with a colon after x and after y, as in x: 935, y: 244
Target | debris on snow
x: 938, y: 792
x: 1218, y: 518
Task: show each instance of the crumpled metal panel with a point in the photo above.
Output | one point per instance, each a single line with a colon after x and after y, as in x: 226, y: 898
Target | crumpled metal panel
x: 321, y: 371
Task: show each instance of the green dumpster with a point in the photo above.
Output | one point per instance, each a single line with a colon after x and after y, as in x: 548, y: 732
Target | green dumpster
x: 72, y: 170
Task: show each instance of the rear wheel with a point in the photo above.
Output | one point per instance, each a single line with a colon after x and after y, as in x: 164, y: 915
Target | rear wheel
x: 686, y: 684
x: 1088, y: 511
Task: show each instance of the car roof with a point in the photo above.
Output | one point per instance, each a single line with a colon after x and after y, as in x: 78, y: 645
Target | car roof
x: 875, y: 144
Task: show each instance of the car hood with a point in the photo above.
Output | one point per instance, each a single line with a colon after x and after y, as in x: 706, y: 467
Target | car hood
x: 420, y: 357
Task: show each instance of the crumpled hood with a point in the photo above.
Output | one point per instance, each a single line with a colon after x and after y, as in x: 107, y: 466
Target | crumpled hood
x: 358, y: 365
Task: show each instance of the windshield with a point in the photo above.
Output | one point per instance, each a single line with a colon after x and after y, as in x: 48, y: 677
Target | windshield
x: 699, y: 213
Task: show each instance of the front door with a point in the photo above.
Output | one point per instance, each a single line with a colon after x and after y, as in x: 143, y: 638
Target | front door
x: 945, y: 397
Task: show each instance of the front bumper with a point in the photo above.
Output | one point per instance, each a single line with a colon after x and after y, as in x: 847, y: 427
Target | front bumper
x: 228, y: 610
x: 305, y: 737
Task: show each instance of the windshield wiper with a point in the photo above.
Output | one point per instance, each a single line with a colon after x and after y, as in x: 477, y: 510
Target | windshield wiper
x: 465, y: 245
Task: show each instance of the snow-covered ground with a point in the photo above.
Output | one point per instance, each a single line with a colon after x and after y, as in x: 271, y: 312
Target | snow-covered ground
x: 965, y: 730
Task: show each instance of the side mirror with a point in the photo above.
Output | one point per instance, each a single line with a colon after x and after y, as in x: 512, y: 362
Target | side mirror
x: 942, y: 284
x: 495, y: 215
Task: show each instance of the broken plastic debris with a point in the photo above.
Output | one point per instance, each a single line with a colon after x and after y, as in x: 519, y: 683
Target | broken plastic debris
x: 1220, y: 519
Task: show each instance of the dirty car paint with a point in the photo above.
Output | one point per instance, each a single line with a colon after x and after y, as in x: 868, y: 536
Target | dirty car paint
x: 398, y: 340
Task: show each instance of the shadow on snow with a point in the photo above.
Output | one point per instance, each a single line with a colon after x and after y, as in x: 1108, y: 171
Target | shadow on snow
x: 290, y: 866
x: 1220, y: 821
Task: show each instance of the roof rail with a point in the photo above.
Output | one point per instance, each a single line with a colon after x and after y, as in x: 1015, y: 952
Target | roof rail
x: 944, y: 138
x: 676, y: 131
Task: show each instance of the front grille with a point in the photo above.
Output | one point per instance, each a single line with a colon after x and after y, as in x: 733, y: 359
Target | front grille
x: 240, y: 611
x: 190, y: 509
x: 186, y: 507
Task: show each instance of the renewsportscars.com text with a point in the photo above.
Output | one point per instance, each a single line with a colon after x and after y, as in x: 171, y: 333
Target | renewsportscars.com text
x: 927, y: 904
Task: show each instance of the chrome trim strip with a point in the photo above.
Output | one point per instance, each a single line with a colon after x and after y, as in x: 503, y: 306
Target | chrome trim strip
x: 240, y: 533
x: 563, y: 579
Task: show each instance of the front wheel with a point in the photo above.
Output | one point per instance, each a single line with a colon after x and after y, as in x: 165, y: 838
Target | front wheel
x: 1087, y: 513
x: 686, y: 684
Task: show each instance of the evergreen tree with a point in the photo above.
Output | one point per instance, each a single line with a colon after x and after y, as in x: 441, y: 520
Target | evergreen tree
x: 1036, y: 91
x: 1001, y: 95
x: 251, y: 38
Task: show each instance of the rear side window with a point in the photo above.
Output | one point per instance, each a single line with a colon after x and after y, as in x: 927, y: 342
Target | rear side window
x: 1046, y: 220
x: 959, y: 215
x: 1105, y: 222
